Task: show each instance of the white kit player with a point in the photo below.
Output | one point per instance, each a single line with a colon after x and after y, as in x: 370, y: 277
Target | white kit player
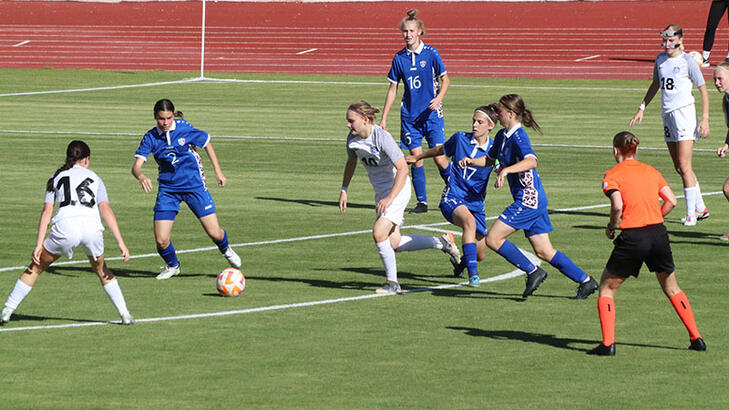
x: 675, y: 73
x: 388, y: 174
x: 81, y: 196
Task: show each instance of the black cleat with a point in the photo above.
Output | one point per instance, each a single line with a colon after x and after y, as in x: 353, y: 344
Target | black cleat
x: 420, y: 208
x: 586, y: 289
x: 458, y: 270
x: 533, y: 280
x: 602, y: 350
x: 698, y: 345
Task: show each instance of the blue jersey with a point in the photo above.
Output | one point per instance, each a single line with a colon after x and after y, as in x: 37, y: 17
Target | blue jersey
x: 509, y: 148
x: 180, y: 167
x: 467, y: 184
x: 419, y: 71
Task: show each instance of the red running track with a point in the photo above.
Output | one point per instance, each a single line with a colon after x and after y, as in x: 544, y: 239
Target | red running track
x: 611, y: 39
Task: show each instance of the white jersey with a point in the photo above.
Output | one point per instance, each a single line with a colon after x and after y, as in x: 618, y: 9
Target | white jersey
x: 378, y: 153
x: 78, y: 191
x: 676, y: 76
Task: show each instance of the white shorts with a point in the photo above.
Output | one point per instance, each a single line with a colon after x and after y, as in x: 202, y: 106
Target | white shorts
x: 396, y: 210
x: 680, y: 124
x: 67, y: 234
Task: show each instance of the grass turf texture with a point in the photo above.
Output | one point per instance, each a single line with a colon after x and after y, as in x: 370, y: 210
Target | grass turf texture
x: 458, y: 347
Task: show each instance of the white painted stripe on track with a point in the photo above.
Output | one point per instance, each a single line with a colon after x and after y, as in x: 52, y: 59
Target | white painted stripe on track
x: 306, y: 51
x: 22, y: 43
x: 587, y: 58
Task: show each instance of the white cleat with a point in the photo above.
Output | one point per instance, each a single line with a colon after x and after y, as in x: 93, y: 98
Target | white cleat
x: 127, y: 319
x: 451, y: 248
x: 689, y: 220
x: 5, y: 316
x: 168, y: 272
x: 232, y: 258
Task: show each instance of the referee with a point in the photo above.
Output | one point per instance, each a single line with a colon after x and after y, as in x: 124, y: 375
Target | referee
x: 633, y: 188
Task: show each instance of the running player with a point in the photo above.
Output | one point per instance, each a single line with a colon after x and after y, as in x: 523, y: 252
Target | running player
x: 462, y: 202
x: 81, y: 196
x: 388, y: 174
x: 673, y: 74
x: 419, y: 67
x: 181, y: 179
x: 634, y: 188
x: 721, y: 81
x: 518, y: 163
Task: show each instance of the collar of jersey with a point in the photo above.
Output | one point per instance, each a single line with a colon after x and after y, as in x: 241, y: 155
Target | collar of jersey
x: 418, y: 50
x: 167, y: 134
x: 513, y: 129
x: 483, y: 147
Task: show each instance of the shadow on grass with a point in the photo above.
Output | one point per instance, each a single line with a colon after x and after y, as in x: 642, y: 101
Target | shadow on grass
x: 711, y: 239
x: 315, y: 202
x: 121, y: 272
x: 33, y: 318
x: 545, y: 339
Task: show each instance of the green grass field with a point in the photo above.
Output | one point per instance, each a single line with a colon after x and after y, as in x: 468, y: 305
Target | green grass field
x: 454, y: 347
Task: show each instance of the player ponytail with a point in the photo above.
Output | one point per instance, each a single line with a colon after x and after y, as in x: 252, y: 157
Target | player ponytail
x: 515, y: 104
x: 76, y: 151
x: 626, y: 143
x: 166, y: 105
x: 491, y: 111
x: 411, y: 17
x: 364, y: 109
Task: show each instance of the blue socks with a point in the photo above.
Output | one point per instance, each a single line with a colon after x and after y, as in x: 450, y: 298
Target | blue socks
x: 512, y: 254
x: 568, y: 268
x: 446, y: 173
x: 418, y: 174
x: 223, y: 244
x: 470, y: 256
x: 169, y: 255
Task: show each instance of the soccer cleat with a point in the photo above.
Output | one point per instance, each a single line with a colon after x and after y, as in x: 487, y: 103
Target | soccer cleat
x: 461, y: 267
x: 705, y: 63
x: 533, y: 280
x: 602, y: 350
x: 127, y: 319
x: 698, y: 345
x: 586, y: 289
x: 420, y: 208
x: 389, y: 288
x: 232, y: 258
x: 5, y: 316
x: 700, y: 216
x: 451, y: 248
x: 689, y: 220
x: 474, y: 282
x: 168, y: 272
x: 724, y: 237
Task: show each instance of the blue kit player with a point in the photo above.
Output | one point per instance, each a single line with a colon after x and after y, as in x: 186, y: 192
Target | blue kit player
x: 419, y: 67
x: 181, y: 179
x: 518, y: 163
x: 462, y: 202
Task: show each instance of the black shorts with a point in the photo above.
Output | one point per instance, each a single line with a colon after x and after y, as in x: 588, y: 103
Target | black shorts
x: 634, y: 246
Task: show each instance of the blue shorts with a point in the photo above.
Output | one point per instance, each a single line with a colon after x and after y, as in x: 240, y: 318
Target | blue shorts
x: 531, y: 221
x: 449, y: 204
x: 428, y: 125
x: 168, y: 204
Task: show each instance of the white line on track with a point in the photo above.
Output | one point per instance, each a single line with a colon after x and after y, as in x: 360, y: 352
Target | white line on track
x: 587, y: 58
x: 306, y: 51
x: 22, y: 43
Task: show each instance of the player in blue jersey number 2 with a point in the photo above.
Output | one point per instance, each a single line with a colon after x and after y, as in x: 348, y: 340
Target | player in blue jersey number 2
x: 462, y: 202
x: 181, y: 179
x: 419, y: 67
x: 518, y: 165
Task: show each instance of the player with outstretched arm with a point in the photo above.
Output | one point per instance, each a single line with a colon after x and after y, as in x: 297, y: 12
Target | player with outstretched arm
x: 388, y: 173
x: 518, y: 165
x: 81, y: 197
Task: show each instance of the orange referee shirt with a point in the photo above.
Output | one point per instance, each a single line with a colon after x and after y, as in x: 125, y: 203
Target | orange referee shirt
x: 639, y: 185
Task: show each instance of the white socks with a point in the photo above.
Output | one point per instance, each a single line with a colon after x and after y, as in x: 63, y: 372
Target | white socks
x: 700, y: 205
x: 19, y: 292
x: 705, y: 54
x: 387, y: 254
x: 690, y: 198
x: 417, y: 242
x: 117, y: 298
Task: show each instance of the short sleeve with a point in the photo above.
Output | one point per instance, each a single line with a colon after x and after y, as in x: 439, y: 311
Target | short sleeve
x: 609, y: 184
x: 438, y: 66
x: 101, y: 195
x: 197, y: 137
x: 394, y: 75
x: 50, y: 197
x: 694, y: 71
x: 449, y: 147
x: 145, y: 147
x: 390, y: 148
x: 494, y: 150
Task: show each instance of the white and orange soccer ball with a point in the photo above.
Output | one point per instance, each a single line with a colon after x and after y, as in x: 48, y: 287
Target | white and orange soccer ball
x: 697, y: 57
x: 231, y: 282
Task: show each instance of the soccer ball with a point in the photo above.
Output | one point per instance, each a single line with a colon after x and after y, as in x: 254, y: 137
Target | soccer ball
x: 697, y: 57
x: 231, y: 282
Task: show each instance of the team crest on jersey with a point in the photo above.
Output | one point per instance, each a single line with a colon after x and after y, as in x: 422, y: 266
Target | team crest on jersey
x: 422, y: 64
x: 676, y: 69
x: 181, y: 141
